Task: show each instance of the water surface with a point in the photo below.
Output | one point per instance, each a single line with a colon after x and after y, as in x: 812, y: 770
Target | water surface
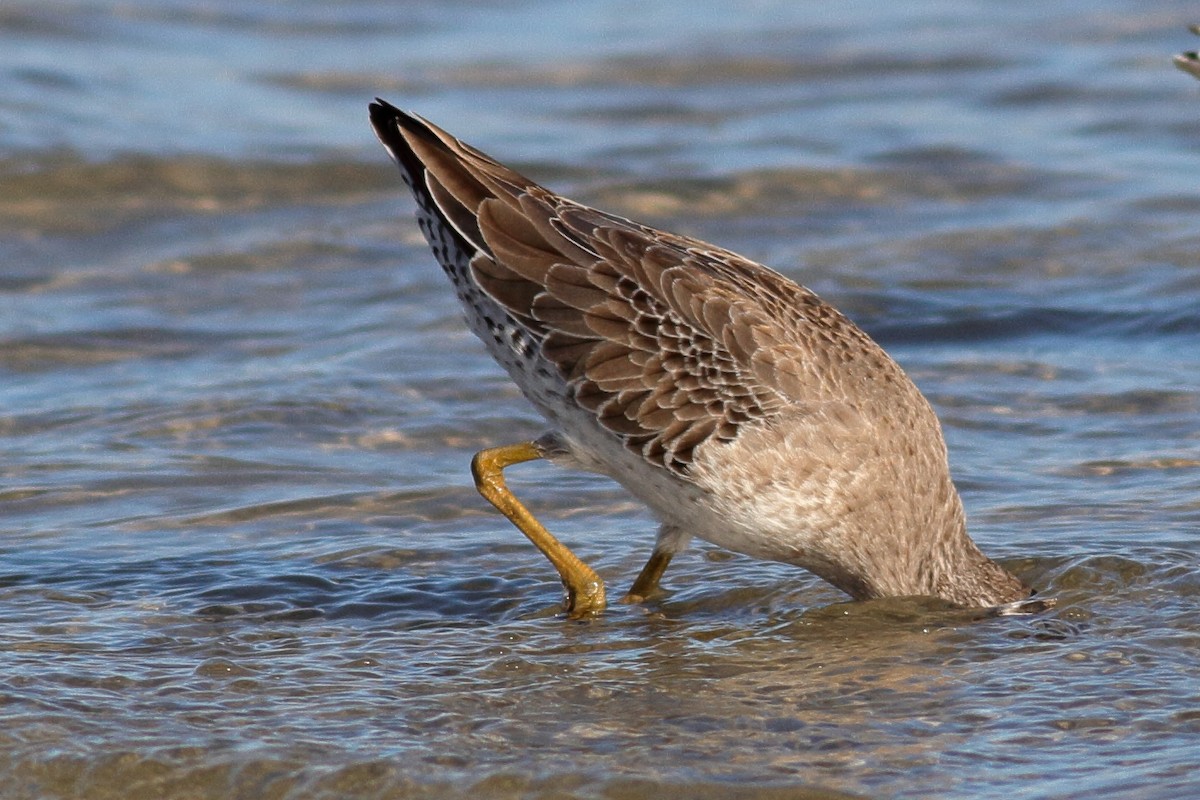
x: 240, y: 553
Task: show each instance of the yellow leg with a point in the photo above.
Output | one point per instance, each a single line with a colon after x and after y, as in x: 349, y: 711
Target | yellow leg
x: 584, y: 588
x: 647, y: 580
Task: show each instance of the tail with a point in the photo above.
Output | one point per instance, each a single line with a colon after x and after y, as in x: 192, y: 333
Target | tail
x: 487, y: 224
x: 390, y: 123
x: 442, y: 172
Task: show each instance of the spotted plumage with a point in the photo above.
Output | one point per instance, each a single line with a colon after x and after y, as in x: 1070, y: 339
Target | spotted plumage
x: 736, y: 403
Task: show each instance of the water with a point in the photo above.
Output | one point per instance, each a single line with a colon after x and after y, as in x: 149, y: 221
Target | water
x: 240, y: 555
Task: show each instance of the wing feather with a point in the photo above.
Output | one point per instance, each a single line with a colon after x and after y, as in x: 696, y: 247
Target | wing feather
x: 668, y: 342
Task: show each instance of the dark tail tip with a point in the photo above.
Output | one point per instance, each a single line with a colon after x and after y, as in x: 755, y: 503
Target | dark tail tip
x: 384, y: 113
x: 389, y: 122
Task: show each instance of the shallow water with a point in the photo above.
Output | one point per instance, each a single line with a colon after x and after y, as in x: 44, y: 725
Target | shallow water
x: 240, y: 554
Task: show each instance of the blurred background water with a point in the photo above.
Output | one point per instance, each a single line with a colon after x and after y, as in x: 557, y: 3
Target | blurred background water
x: 240, y: 554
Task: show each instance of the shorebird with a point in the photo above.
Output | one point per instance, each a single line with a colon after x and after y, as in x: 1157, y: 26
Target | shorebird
x: 736, y: 404
x: 1189, y: 62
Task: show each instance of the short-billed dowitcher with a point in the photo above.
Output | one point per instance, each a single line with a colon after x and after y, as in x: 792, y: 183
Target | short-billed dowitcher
x: 735, y: 403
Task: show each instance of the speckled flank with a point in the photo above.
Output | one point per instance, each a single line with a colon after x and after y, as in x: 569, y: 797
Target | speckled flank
x: 736, y: 403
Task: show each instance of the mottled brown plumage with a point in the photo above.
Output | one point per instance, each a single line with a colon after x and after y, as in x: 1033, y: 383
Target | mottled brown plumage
x: 737, y: 404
